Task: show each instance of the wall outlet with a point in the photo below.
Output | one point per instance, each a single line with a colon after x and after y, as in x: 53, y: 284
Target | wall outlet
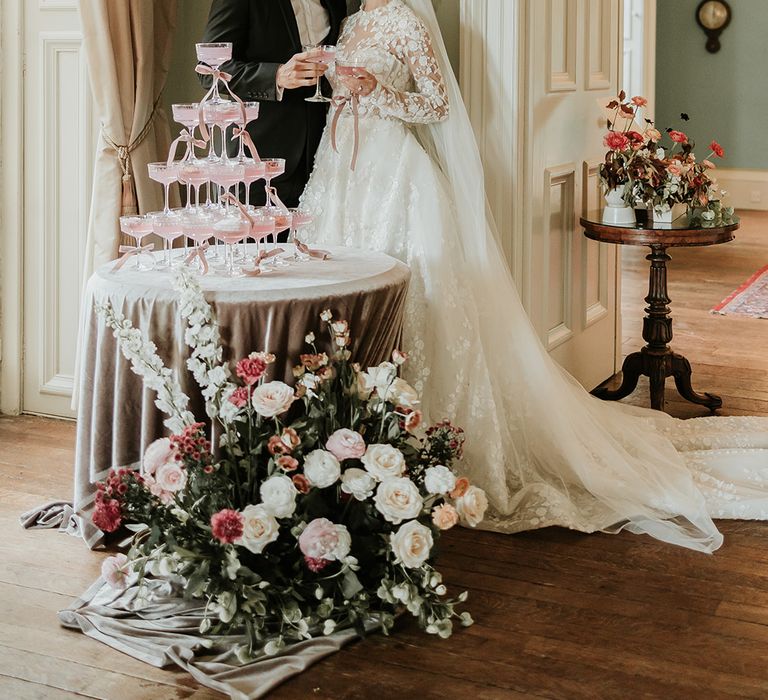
x: 756, y: 196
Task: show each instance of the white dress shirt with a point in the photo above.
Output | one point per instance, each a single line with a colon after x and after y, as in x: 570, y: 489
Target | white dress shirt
x: 313, y: 21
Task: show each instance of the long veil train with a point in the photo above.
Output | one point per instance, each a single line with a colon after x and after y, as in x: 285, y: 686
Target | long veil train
x: 570, y: 459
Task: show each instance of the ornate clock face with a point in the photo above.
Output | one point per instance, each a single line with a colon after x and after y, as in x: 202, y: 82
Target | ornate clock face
x: 713, y: 14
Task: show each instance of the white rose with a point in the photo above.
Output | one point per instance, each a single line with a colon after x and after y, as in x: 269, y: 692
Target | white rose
x: 272, y: 399
x: 380, y: 378
x: 383, y: 462
x: 171, y: 477
x: 157, y: 454
x: 411, y: 544
x: 439, y: 480
x: 472, y: 506
x: 402, y: 394
x: 322, y: 469
x: 259, y: 528
x: 358, y: 483
x: 398, y: 500
x: 341, y: 552
x: 278, y: 494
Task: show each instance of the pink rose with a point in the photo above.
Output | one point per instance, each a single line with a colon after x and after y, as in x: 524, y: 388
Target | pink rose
x: 445, y: 516
x: 615, y: 141
x: 160, y: 452
x: 114, y: 571
x: 323, y: 539
x: 171, y: 477
x: 678, y: 136
x: 346, y: 444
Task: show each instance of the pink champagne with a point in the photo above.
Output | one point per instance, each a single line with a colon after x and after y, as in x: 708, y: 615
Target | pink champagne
x: 300, y: 218
x: 163, y: 173
x: 348, y: 70
x: 232, y: 230
x: 187, y: 114
x: 193, y: 175
x: 167, y: 227
x: 254, y: 171
x: 275, y: 167
x: 261, y: 228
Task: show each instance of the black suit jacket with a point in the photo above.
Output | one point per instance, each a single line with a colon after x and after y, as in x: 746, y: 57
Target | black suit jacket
x: 264, y: 35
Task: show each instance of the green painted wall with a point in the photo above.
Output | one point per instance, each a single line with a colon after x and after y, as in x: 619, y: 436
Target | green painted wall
x: 725, y: 94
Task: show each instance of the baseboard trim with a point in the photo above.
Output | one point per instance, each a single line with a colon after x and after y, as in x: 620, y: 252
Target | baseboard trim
x: 747, y: 189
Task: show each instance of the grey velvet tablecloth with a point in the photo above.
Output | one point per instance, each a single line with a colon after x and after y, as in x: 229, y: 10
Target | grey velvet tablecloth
x: 117, y: 417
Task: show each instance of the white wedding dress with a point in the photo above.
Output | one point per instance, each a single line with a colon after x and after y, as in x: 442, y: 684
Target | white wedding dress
x: 546, y: 452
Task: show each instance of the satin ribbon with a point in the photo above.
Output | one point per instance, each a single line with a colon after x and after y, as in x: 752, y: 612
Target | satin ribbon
x: 218, y: 76
x: 184, y: 137
x: 263, y: 255
x: 316, y: 253
x: 274, y: 199
x: 340, y: 102
x: 241, y: 133
x: 199, y: 252
x: 129, y: 251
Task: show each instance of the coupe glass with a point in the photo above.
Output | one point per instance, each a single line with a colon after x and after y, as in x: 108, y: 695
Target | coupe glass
x: 274, y: 168
x: 139, y: 227
x: 299, y: 219
x: 166, y: 175
x: 188, y: 115
x: 319, y: 54
x: 254, y: 170
x: 262, y: 227
x: 231, y: 230
x: 228, y: 175
x: 214, y: 55
x: 251, y: 115
x: 194, y: 174
x: 199, y: 229
x: 283, y: 222
x: 169, y: 228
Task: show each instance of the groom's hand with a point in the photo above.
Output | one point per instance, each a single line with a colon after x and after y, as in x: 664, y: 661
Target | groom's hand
x: 362, y: 83
x: 299, y: 72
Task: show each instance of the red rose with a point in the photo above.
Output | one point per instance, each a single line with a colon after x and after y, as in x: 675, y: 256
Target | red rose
x: 107, y: 516
x: 615, y: 141
x: 717, y: 149
x: 227, y: 526
x: 251, y: 369
x: 678, y: 136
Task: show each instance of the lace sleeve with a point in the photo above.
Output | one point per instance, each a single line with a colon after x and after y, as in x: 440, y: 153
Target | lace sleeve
x: 429, y: 103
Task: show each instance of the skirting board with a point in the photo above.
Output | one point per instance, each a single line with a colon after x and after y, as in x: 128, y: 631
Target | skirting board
x: 747, y: 189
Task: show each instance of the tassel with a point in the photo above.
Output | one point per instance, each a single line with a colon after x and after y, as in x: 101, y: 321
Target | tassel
x: 129, y: 205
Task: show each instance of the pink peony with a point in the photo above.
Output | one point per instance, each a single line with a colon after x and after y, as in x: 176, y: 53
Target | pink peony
x: 323, y: 539
x: 160, y: 452
x: 251, y: 369
x: 615, y: 141
x: 346, y: 444
x: 227, y: 526
x: 239, y: 397
x: 107, y: 516
x: 171, y: 477
x: 445, y: 516
x: 114, y: 571
x: 678, y: 136
x: 717, y: 149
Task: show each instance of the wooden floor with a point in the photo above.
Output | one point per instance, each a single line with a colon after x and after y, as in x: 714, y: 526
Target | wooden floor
x: 559, y: 615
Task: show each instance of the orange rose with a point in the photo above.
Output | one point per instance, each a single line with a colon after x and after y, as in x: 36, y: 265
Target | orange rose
x: 462, y: 484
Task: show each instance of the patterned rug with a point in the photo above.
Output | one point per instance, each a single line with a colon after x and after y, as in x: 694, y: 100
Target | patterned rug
x: 751, y: 299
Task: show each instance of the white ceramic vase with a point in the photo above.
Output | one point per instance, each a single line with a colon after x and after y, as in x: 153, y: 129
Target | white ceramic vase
x: 616, y: 211
x: 667, y: 217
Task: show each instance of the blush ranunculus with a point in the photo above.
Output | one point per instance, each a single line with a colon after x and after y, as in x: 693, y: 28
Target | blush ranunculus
x: 346, y: 444
x: 227, y: 525
x: 322, y: 539
x: 251, y: 369
x: 717, y: 149
x: 445, y: 516
x: 158, y: 453
x: 171, y: 477
x: 678, y: 136
x: 615, y: 141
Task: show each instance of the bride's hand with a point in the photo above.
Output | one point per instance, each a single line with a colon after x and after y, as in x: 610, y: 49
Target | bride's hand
x: 362, y: 83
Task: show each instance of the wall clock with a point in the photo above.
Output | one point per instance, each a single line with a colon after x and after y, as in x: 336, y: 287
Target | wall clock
x: 713, y: 17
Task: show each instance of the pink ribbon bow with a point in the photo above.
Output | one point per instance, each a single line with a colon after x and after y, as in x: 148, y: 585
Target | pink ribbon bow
x: 218, y: 76
x: 199, y: 252
x: 274, y: 199
x: 316, y: 253
x: 128, y: 251
x: 241, y: 133
x: 340, y: 102
x: 184, y: 137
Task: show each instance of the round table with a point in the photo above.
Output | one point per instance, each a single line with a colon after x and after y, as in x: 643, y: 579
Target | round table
x: 656, y: 360
x: 117, y: 417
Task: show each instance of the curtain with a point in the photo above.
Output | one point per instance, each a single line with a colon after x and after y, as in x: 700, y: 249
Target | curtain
x: 128, y: 49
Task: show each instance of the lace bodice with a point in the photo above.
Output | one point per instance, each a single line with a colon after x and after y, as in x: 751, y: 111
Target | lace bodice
x: 393, y: 44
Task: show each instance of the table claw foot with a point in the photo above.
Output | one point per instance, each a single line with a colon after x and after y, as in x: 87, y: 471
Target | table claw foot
x: 681, y: 371
x: 631, y: 371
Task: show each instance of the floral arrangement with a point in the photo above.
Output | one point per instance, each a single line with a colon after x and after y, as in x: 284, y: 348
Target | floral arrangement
x: 319, y: 507
x: 654, y: 173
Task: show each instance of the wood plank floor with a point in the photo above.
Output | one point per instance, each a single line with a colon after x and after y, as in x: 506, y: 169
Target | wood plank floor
x: 559, y: 614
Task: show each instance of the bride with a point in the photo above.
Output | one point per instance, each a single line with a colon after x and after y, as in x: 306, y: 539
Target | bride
x: 405, y: 177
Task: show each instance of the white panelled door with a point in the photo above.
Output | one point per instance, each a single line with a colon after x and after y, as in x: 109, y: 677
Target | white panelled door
x: 58, y: 150
x: 532, y: 73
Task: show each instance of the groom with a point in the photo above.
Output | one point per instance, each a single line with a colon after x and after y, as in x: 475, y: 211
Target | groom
x: 269, y: 66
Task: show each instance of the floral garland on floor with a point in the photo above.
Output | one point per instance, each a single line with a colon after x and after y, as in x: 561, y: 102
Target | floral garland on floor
x: 321, y: 507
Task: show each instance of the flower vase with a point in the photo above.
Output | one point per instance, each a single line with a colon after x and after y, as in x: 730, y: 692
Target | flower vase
x: 616, y: 211
x: 672, y: 214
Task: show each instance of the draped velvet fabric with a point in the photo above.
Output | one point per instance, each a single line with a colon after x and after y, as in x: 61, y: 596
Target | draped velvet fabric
x: 128, y: 49
x: 117, y: 417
